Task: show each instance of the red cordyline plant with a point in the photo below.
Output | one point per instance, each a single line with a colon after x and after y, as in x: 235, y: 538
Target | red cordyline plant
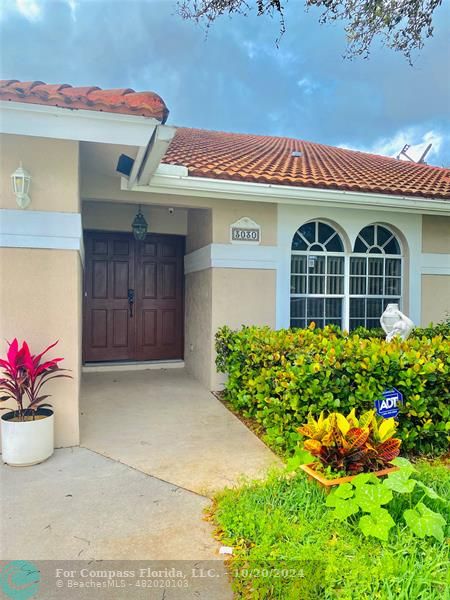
x: 24, y: 375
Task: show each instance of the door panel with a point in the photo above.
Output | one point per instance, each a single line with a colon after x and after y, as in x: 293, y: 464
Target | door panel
x: 149, y: 327
x: 159, y: 298
x: 108, y: 333
x: 116, y: 263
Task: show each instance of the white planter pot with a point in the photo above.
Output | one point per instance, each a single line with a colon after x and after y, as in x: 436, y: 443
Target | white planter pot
x: 29, y: 442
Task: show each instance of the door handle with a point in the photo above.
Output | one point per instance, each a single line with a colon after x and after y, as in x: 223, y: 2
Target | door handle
x: 130, y: 300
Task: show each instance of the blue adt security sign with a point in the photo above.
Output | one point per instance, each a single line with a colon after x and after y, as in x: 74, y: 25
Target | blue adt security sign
x: 388, y: 406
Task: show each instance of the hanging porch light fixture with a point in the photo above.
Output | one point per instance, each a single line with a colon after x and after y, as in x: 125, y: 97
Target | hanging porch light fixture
x: 139, y: 226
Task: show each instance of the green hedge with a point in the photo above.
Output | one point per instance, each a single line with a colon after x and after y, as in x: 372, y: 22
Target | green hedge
x: 418, y: 332
x: 278, y: 377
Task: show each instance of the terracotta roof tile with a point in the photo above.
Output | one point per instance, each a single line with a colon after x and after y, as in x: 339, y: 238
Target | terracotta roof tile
x: 122, y: 101
x: 243, y: 157
x: 265, y: 159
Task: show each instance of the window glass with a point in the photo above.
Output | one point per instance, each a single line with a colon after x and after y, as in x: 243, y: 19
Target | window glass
x: 374, y: 281
x: 383, y: 235
x: 298, y: 243
x: 360, y: 246
x: 368, y: 235
x: 392, y: 247
x: 308, y: 231
x: 335, y: 244
x: 317, y: 277
x: 325, y: 232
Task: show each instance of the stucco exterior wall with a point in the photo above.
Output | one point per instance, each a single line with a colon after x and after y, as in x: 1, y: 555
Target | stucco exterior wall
x: 112, y: 216
x: 41, y: 290
x: 241, y: 297
x: 40, y: 302
x: 436, y: 234
x: 53, y: 165
x: 226, y: 212
x: 198, y: 325
x: 435, y: 298
x: 199, y: 228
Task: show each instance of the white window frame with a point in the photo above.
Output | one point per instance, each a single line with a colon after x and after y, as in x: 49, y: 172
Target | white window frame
x: 346, y: 296
x: 325, y: 275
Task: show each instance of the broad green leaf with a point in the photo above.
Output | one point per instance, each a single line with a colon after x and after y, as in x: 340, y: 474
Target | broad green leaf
x: 301, y: 457
x: 424, y: 522
x: 403, y: 463
x: 344, y: 491
x: 342, y: 508
x: 400, y: 482
x: 430, y: 492
x: 370, y: 496
x: 377, y: 524
x: 364, y: 478
x: 331, y: 499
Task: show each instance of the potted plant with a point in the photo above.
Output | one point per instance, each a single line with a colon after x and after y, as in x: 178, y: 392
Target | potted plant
x: 27, y: 430
x: 347, y: 446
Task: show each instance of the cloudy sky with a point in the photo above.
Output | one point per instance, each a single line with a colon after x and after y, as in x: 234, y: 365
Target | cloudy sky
x: 236, y: 79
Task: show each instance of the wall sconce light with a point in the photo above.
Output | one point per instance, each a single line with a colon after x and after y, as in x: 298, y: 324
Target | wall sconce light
x: 139, y: 226
x: 21, y: 181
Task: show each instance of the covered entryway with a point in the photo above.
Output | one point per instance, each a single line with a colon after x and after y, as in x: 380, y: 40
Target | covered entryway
x: 133, y: 297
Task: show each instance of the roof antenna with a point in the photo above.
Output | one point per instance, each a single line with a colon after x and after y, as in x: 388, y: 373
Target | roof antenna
x: 421, y: 161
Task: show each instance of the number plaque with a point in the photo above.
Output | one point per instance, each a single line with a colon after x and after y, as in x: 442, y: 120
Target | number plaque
x: 245, y: 231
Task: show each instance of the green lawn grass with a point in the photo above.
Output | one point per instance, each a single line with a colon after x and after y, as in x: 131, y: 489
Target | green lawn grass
x: 283, y: 523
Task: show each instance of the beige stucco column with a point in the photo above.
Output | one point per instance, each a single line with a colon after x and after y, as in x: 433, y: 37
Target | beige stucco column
x: 41, y: 264
x: 226, y: 284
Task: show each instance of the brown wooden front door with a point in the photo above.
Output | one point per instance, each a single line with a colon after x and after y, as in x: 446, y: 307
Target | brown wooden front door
x: 133, y: 305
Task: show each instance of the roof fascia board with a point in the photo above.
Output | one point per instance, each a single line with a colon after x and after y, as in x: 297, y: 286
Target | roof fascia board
x: 260, y: 192
x: 75, y: 124
x: 156, y: 149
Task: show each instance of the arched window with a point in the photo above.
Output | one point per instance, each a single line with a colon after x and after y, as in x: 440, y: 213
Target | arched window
x: 317, y: 276
x: 375, y: 275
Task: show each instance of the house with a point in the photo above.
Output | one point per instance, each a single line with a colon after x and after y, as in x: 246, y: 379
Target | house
x: 242, y: 229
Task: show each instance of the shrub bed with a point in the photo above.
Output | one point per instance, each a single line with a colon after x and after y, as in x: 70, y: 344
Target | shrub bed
x: 279, y: 377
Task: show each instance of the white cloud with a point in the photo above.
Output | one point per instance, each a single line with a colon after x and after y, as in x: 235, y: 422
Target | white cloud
x: 30, y: 9
x: 413, y: 136
x: 307, y: 85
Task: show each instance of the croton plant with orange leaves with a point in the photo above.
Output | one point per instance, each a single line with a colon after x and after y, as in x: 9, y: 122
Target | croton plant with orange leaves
x: 351, y: 445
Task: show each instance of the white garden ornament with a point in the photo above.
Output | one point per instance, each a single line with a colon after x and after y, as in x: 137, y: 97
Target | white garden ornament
x: 395, y: 323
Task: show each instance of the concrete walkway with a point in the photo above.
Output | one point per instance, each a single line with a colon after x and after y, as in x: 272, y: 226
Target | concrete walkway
x: 80, y: 506
x: 155, y: 444
x: 167, y: 425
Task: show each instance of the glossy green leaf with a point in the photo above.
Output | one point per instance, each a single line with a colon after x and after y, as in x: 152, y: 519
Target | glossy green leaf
x: 364, y: 478
x: 430, y: 492
x: 404, y: 464
x: 344, y: 491
x: 342, y: 508
x: 377, y: 524
x: 425, y: 522
x: 370, y: 496
x: 400, y: 481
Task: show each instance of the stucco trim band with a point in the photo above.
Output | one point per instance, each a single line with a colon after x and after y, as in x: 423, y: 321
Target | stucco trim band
x: 204, y: 187
x: 435, y: 264
x: 41, y: 229
x: 232, y: 257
